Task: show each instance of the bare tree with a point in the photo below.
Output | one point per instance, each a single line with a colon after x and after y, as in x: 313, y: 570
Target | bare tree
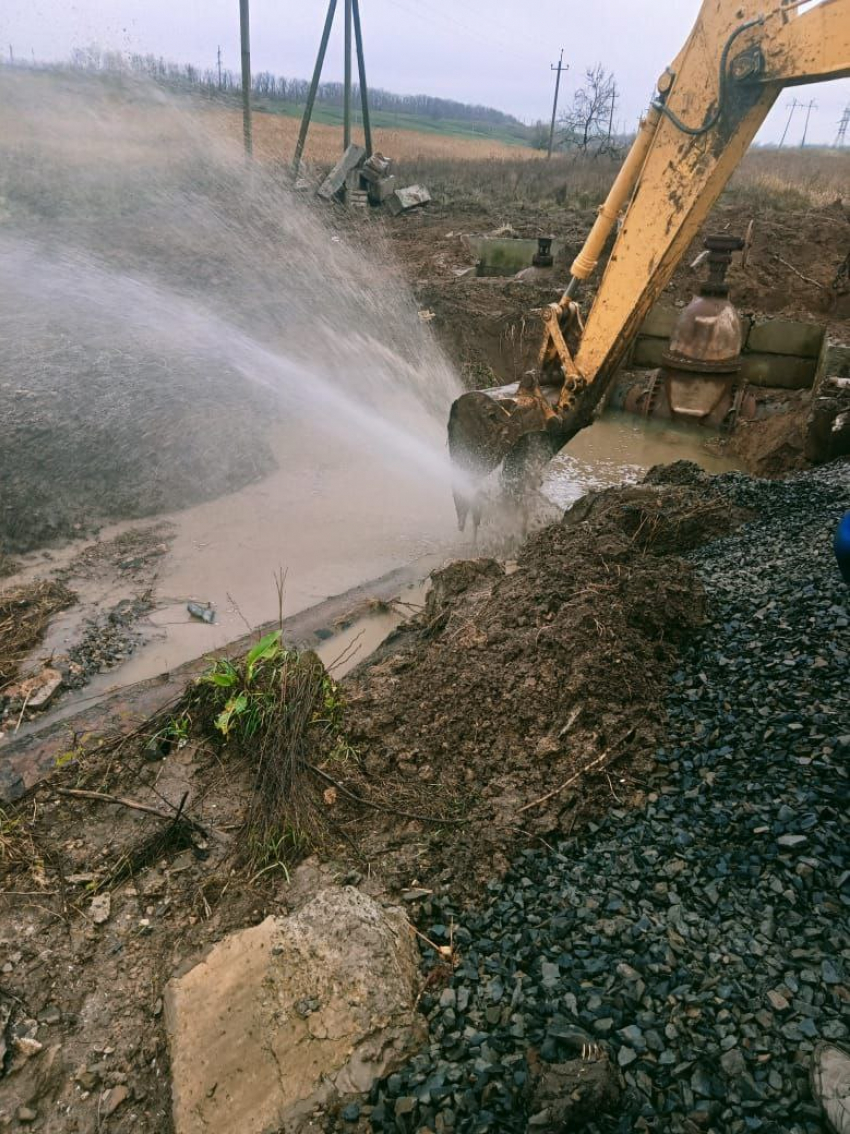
x: 587, y: 125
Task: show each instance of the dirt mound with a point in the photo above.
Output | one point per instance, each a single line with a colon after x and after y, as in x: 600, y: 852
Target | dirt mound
x: 487, y: 712
x: 520, y: 703
x: 775, y: 445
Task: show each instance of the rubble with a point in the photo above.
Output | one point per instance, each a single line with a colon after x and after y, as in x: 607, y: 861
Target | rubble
x: 281, y: 1018
x: 335, y: 180
x: 413, y: 197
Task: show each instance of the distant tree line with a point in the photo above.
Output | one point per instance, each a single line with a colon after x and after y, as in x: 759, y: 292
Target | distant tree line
x: 220, y: 81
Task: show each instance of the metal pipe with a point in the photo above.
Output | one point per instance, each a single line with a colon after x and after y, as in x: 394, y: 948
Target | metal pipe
x: 621, y: 190
x: 346, y: 128
x: 314, y: 86
x: 361, y: 70
x: 245, y: 35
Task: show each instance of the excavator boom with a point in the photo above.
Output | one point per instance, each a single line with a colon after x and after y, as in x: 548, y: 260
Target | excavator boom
x: 711, y: 102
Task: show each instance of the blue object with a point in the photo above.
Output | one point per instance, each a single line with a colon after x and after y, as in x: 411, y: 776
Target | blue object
x: 841, y: 543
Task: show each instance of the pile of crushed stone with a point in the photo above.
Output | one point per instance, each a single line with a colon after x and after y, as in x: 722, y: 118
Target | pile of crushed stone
x: 522, y: 701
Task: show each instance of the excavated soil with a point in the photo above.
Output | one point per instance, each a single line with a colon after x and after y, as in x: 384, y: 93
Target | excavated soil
x: 513, y: 688
x: 546, y: 680
x: 796, y: 268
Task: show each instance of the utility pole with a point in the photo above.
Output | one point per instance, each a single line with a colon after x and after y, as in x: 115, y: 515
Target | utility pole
x: 559, y: 69
x: 812, y: 106
x: 843, y: 127
x: 346, y: 110
x: 361, y: 71
x: 218, y: 60
x: 245, y: 35
x: 11, y: 56
x: 352, y: 16
x: 793, y: 108
x: 614, y: 94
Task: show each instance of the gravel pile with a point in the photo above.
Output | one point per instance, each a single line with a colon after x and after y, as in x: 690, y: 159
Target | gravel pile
x: 704, y: 938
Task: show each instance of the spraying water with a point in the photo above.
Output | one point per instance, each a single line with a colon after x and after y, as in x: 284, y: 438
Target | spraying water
x: 176, y: 325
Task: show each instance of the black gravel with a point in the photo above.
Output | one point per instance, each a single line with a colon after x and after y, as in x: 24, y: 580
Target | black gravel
x: 703, y: 938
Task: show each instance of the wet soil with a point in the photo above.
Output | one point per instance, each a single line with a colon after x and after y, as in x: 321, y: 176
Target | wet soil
x: 512, y: 686
x: 795, y: 268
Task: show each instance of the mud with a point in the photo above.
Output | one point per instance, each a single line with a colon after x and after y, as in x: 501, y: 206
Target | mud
x: 507, y: 686
x: 511, y: 684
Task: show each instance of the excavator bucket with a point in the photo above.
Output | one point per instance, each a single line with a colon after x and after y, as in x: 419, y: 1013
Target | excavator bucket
x: 489, y: 429
x: 516, y: 427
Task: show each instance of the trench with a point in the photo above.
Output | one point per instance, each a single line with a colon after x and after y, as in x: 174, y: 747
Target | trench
x: 302, y: 521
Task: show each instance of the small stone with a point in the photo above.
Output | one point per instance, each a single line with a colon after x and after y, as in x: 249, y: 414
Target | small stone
x: 26, y: 1114
x: 351, y: 1113
x: 112, y: 1099
x: 778, y: 1001
x: 625, y: 1056
x: 792, y: 842
x: 100, y: 908
x: 733, y: 1063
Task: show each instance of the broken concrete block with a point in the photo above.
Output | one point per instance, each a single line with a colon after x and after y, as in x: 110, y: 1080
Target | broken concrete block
x: 335, y: 180
x: 35, y: 691
x: 380, y: 191
x: 287, y: 1015
x: 376, y: 167
x: 410, y: 198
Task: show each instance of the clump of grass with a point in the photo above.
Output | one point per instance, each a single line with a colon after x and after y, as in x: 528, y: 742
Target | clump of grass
x: 270, y: 708
x: 25, y: 612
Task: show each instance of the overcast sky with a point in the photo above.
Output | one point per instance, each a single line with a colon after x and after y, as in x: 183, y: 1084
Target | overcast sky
x: 495, y: 52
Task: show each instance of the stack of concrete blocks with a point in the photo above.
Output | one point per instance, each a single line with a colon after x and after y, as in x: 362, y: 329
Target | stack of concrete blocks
x: 380, y: 183
x: 359, y: 181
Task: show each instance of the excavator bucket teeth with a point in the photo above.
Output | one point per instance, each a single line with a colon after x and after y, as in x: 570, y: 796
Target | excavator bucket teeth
x: 485, y: 428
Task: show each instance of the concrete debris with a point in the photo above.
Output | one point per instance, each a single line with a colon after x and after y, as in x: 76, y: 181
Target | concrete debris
x: 335, y: 180
x: 381, y: 190
x: 412, y: 197
x: 376, y: 168
x: 288, y: 1015
x: 36, y: 691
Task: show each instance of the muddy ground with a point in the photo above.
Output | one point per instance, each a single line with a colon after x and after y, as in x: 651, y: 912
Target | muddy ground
x: 796, y: 268
x: 175, y: 430
x: 515, y: 708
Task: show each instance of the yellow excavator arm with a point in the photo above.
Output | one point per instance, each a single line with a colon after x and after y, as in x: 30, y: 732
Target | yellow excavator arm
x: 711, y: 102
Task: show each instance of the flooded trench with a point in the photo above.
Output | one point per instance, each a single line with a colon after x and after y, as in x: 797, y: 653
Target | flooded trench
x: 326, y: 533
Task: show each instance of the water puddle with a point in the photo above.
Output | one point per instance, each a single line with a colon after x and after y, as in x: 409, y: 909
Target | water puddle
x: 620, y: 449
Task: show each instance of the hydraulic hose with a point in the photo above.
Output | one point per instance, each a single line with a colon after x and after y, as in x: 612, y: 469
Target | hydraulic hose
x: 714, y: 116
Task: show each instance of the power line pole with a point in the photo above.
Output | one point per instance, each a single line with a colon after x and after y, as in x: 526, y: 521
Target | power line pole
x: 245, y: 36
x: 352, y: 17
x: 559, y: 69
x: 843, y: 127
x: 793, y: 109
x: 361, y: 71
x: 218, y: 59
x: 812, y: 106
x: 346, y: 113
x: 614, y: 94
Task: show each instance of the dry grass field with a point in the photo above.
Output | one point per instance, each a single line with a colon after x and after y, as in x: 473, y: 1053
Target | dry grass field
x: 275, y: 136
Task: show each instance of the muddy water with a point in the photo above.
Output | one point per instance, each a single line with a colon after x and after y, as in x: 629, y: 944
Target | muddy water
x: 621, y: 448
x: 328, y: 531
